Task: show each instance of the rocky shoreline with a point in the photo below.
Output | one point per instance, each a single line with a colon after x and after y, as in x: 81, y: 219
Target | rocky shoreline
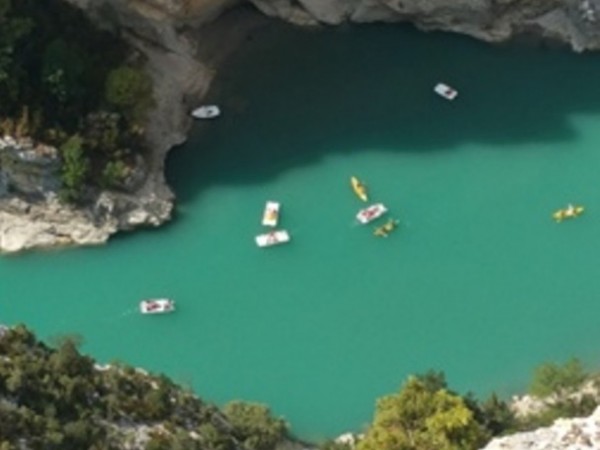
x: 183, y: 43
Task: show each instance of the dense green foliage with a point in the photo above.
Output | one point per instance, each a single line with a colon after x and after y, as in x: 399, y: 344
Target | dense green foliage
x: 129, y: 89
x: 58, y: 399
x: 423, y: 415
x: 75, y: 167
x: 255, y: 427
x: 60, y: 76
x: 553, y: 378
x: 55, y: 398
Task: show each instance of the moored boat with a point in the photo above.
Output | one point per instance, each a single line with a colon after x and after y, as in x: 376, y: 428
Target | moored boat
x: 274, y: 237
x: 271, y: 214
x: 569, y: 212
x: 157, y: 306
x: 371, y: 213
x: 445, y: 91
x: 359, y: 188
x: 385, y: 229
x: 206, y: 112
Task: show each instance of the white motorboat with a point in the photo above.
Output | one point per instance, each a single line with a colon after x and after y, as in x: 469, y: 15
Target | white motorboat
x: 272, y: 238
x: 445, y: 91
x: 206, y: 112
x: 271, y: 214
x: 157, y: 306
x: 371, y: 213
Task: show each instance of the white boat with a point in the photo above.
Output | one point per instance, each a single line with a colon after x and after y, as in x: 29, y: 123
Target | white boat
x: 445, y: 91
x: 157, y: 306
x: 371, y: 213
x: 271, y: 214
x: 206, y: 112
x: 272, y: 238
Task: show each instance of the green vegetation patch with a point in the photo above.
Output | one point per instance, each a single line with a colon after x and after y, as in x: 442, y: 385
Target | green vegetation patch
x: 56, y: 398
x: 63, y: 79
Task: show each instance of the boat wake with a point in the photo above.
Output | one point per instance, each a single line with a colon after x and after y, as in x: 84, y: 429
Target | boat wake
x: 129, y: 312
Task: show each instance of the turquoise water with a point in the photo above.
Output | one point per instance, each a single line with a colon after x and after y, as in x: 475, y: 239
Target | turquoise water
x: 478, y: 281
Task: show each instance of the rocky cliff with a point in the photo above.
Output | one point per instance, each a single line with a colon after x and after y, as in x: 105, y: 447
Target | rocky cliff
x: 570, y: 21
x: 184, y: 41
x: 564, y: 434
x: 574, y: 22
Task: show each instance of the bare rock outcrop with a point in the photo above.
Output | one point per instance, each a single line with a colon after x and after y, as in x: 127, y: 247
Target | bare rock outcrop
x: 574, y: 22
x: 564, y: 434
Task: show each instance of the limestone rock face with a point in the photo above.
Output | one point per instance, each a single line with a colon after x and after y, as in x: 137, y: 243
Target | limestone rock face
x: 31, y: 216
x: 564, y: 434
x: 574, y: 22
x: 27, y: 168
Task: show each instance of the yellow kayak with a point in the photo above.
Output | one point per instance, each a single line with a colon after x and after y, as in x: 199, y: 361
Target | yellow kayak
x: 568, y: 213
x: 359, y: 188
x: 385, y: 229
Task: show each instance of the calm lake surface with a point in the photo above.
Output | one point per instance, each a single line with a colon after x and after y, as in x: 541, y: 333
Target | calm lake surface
x: 478, y: 281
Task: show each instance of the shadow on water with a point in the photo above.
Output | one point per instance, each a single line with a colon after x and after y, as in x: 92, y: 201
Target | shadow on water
x: 292, y: 96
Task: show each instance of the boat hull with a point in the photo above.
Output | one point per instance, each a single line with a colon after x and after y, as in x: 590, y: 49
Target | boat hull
x: 157, y: 306
x: 570, y: 212
x: 271, y: 214
x: 273, y: 238
x: 359, y: 189
x: 206, y: 112
x: 387, y: 228
x: 445, y: 91
x: 371, y: 213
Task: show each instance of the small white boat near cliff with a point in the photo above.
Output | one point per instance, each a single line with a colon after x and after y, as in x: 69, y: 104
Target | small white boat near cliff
x: 271, y: 214
x: 272, y: 238
x: 371, y: 213
x: 445, y: 91
x: 206, y: 112
x: 157, y: 306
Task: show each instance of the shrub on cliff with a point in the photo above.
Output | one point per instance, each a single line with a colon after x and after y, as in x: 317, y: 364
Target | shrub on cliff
x: 129, y: 89
x: 54, y: 83
x: 423, y: 415
x: 255, y: 427
x: 56, y: 399
x: 75, y: 168
x: 558, y: 379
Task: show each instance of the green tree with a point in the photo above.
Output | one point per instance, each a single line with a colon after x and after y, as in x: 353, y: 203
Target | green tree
x: 11, y: 31
x: 114, y: 173
x: 129, y: 89
x: 420, y: 417
x: 495, y: 415
x: 62, y: 70
x: 550, y: 378
x: 255, y: 425
x: 75, y: 168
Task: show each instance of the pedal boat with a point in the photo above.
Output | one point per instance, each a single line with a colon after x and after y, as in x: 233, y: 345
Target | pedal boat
x: 359, y: 188
x: 271, y: 214
x: 206, y: 112
x: 569, y: 212
x: 157, y: 306
x: 445, y: 91
x: 272, y: 238
x: 371, y: 213
x: 385, y: 229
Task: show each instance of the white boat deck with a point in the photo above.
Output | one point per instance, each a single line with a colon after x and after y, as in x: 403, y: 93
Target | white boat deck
x: 157, y: 306
x: 371, y: 213
x: 271, y: 214
x: 206, y: 112
x: 272, y: 238
x: 445, y: 91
